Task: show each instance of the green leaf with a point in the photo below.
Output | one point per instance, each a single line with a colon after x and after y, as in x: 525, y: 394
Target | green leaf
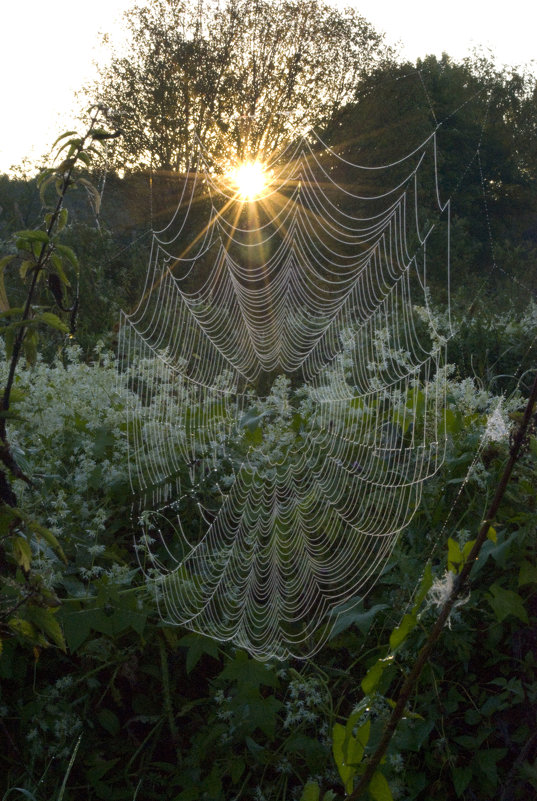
x: 379, y: 789
x: 461, y: 779
x: 455, y: 559
x: 425, y: 586
x: 349, y: 615
x: 61, y: 138
x: 26, y: 265
x: 48, y: 536
x: 238, y: 767
x: 22, y: 552
x: 254, y: 748
x: 197, y: 646
x: 247, y: 671
x: 33, y: 236
x: 24, y: 628
x: 4, y: 303
x: 527, y: 574
x: 311, y: 792
x: 410, y: 620
x: 345, y: 771
x: 48, y: 177
x: 62, y: 220
x: 84, y: 157
x: 112, y: 615
x: 9, y: 341
x: 58, y: 266
x: 52, y: 320
x: 45, y: 620
x: 29, y: 343
x: 93, y: 191
x: 68, y: 253
x: 348, y: 750
x: 505, y: 603
x: 492, y: 534
x: 77, y: 624
x: 99, y: 134
x: 109, y: 721
x: 400, y: 633
x: 372, y: 677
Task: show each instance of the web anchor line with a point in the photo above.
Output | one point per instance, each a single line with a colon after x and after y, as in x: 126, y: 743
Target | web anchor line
x: 289, y: 406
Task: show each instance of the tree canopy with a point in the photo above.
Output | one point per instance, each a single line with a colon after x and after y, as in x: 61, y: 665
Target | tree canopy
x: 240, y: 76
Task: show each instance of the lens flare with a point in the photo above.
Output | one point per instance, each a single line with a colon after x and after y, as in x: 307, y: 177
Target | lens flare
x: 249, y: 179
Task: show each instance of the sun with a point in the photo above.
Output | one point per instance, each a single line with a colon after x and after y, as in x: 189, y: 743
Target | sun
x: 249, y: 179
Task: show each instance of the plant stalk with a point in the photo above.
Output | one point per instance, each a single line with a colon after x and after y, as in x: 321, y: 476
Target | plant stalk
x: 429, y: 645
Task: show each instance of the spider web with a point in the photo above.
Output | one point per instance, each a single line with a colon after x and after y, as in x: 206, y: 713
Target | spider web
x: 288, y: 399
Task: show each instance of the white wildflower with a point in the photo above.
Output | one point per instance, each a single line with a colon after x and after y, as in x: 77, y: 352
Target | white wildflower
x: 496, y: 430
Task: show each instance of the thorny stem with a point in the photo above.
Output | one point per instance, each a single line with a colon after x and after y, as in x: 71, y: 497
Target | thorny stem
x: 428, y: 647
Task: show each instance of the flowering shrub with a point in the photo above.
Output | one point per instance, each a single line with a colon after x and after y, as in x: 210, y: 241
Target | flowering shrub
x: 169, y: 714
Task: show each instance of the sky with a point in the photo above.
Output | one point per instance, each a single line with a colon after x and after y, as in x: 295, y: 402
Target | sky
x: 48, y: 50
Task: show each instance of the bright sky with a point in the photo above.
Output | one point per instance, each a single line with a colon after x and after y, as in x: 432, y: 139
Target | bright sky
x: 48, y: 48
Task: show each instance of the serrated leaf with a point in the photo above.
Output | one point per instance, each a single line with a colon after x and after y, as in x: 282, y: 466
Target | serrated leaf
x: 45, y: 620
x: 23, y: 627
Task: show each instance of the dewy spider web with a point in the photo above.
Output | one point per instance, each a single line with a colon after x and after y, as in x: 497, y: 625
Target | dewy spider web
x: 312, y: 288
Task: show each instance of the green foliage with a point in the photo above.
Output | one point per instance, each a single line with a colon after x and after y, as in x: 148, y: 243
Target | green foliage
x: 99, y: 698
x: 182, y: 717
x: 239, y: 75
